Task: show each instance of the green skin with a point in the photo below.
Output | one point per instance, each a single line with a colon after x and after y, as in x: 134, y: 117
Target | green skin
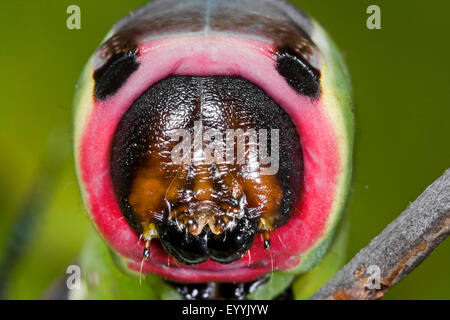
x: 106, y: 277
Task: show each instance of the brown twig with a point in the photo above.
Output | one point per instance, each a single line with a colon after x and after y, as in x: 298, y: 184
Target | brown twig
x: 397, y: 250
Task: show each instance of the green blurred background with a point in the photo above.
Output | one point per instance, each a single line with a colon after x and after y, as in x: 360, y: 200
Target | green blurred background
x: 401, y: 86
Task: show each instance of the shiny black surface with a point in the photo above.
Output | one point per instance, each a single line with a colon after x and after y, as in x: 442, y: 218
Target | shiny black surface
x: 301, y: 76
x: 219, y: 102
x: 113, y: 75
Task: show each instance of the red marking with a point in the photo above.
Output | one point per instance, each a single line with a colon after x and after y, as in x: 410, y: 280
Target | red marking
x: 218, y: 55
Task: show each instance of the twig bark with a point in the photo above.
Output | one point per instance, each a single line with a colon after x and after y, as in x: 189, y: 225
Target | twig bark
x: 397, y: 250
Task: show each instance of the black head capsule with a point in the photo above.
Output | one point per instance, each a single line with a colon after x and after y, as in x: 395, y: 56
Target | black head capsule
x: 206, y: 209
x: 231, y: 244
x: 226, y: 247
x: 181, y: 244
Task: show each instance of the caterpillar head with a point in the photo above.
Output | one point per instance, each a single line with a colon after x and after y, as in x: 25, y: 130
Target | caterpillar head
x: 214, y: 140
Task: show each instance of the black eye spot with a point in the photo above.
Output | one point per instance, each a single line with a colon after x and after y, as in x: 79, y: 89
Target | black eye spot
x: 114, y: 74
x: 300, y: 76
